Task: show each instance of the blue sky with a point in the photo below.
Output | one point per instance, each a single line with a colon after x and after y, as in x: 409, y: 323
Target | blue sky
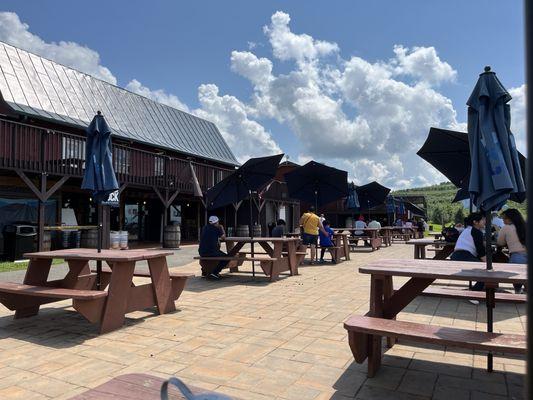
x: 179, y: 46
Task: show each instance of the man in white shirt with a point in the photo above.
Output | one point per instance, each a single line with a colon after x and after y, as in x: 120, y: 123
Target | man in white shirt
x: 374, y: 224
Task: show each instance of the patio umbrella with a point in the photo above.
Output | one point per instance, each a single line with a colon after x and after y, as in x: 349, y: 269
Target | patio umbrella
x: 240, y: 185
x: 99, y: 176
x: 317, y: 184
x: 449, y: 152
x: 495, y: 168
x: 352, y: 201
x: 372, y: 194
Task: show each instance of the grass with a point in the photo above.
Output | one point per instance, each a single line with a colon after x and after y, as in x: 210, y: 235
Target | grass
x: 6, y: 266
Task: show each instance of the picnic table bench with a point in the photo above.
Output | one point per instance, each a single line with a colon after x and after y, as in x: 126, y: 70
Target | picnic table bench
x: 365, y: 332
x: 500, y: 297
x: 442, y: 248
x: 104, y: 307
x: 279, y: 255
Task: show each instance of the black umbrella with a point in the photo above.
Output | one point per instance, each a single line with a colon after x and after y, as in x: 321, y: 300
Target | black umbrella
x: 99, y: 176
x: 240, y: 185
x: 317, y: 184
x: 449, y: 152
x: 352, y: 201
x: 495, y: 168
x: 372, y: 194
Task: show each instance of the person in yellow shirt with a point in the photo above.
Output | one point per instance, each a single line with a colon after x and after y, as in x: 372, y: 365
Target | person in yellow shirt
x: 310, y: 224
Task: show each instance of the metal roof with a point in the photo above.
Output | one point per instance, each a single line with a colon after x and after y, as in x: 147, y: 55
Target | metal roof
x: 38, y: 87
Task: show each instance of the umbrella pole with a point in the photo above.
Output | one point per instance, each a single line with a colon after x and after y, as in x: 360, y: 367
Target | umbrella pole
x: 489, y: 289
x: 99, y: 247
x: 252, y: 232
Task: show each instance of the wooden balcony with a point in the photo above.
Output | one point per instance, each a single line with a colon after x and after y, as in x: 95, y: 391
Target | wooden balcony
x: 34, y: 149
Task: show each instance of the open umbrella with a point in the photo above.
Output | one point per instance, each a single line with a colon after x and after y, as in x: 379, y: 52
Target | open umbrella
x: 240, y: 185
x: 495, y: 168
x: 449, y: 152
x: 371, y: 195
x: 317, y: 184
x: 99, y: 176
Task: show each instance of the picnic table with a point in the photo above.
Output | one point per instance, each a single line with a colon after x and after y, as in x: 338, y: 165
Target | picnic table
x: 278, y: 255
x: 104, y: 307
x: 366, y: 332
x: 341, y: 243
x: 442, y: 248
x: 403, y: 233
x: 371, y: 234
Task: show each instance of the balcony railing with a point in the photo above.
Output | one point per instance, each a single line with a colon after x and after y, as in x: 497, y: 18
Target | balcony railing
x: 34, y: 149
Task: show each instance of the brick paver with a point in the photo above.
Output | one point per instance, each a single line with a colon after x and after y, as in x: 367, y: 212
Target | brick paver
x: 258, y: 340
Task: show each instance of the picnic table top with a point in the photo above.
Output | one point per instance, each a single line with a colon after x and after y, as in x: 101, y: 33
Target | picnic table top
x: 258, y: 239
x: 453, y: 270
x: 104, y: 255
x: 357, y: 229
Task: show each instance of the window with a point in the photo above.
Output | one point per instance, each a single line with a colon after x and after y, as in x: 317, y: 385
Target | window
x: 159, y: 166
x: 121, y: 160
x: 72, y: 148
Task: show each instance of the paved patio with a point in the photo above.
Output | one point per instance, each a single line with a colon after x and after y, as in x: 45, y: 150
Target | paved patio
x: 258, y: 340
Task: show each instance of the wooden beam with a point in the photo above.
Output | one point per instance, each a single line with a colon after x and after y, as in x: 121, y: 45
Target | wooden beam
x: 172, y: 198
x: 122, y: 187
x: 30, y: 184
x: 55, y: 187
x: 156, y: 190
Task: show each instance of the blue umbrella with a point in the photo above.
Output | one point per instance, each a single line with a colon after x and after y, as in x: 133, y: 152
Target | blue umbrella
x: 99, y: 176
x: 495, y: 172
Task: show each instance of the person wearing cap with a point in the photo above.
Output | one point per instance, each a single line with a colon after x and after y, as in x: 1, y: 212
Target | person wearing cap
x: 210, y: 238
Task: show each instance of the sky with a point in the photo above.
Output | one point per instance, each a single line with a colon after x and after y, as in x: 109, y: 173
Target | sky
x: 353, y: 84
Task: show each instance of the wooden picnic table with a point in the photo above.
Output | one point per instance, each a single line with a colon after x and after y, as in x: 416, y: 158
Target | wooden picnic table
x: 371, y: 233
x: 443, y: 249
x: 386, y: 303
x: 283, y: 254
x: 106, y: 308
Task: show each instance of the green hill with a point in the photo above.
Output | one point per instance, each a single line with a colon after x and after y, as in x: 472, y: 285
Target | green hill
x: 439, y: 199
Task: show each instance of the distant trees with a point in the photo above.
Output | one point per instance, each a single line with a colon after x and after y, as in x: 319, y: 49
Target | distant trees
x: 459, y: 216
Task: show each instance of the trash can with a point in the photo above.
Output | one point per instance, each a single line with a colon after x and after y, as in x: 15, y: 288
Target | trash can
x: 19, y: 239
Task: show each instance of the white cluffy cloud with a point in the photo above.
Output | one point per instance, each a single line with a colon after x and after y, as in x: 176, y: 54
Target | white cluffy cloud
x: 82, y: 58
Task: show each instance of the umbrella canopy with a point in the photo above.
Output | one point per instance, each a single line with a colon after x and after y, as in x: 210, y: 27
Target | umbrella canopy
x: 449, y: 152
x: 352, y: 201
x: 99, y: 176
x: 495, y: 168
x: 372, y: 194
x: 317, y: 184
x: 251, y: 176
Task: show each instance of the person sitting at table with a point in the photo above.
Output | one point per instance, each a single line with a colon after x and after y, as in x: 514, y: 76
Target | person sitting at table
x: 209, y: 246
x: 311, y: 225
x: 279, y: 229
x: 469, y: 245
x: 374, y: 224
x: 513, y: 236
x: 360, y: 224
x: 326, y: 240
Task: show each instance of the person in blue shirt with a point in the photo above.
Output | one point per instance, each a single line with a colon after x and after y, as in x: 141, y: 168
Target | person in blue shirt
x: 209, y: 246
x: 326, y: 240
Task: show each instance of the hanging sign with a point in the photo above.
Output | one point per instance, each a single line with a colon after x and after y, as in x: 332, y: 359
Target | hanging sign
x: 113, y: 199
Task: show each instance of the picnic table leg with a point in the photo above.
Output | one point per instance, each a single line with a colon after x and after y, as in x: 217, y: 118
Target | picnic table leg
x: 293, y: 259
x: 388, y: 291
x: 416, y: 252
x: 162, y: 285
x: 376, y: 310
x: 422, y: 252
x: 346, y: 247
x: 36, y: 274
x: 117, y: 298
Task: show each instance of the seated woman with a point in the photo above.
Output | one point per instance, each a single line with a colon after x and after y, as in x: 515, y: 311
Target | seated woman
x: 326, y: 240
x: 359, y: 225
x: 513, y: 236
x: 470, y: 246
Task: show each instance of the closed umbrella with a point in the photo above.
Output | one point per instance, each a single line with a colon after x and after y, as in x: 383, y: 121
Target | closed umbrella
x: 495, y: 168
x: 99, y: 176
x: 317, y: 184
x: 352, y: 201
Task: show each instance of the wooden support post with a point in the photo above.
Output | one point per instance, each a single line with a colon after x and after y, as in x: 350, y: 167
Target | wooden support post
x: 167, y: 201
